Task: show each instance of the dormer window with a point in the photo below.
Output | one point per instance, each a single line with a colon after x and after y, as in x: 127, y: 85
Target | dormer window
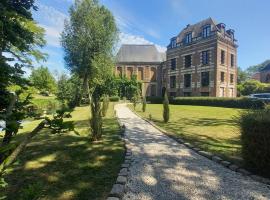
x: 206, y: 31
x: 173, y: 42
x: 188, y: 38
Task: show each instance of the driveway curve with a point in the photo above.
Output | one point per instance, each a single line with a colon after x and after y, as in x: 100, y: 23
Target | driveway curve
x: 164, y: 169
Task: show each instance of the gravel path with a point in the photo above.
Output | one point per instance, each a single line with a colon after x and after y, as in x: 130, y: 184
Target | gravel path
x: 164, y: 170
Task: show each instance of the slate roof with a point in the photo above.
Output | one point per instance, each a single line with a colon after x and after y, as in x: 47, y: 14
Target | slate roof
x: 139, y: 53
x: 196, y: 29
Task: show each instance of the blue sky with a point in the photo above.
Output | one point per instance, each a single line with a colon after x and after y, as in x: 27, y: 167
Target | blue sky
x: 156, y: 21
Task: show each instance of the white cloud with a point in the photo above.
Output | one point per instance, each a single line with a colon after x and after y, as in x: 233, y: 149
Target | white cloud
x: 52, y: 35
x: 52, y: 20
x: 135, y: 39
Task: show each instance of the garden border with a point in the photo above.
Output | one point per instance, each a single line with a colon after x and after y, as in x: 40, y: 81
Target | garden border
x: 209, y: 155
x: 118, y: 189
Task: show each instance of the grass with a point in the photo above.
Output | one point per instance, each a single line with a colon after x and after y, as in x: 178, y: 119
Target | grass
x: 66, y: 165
x: 210, y: 128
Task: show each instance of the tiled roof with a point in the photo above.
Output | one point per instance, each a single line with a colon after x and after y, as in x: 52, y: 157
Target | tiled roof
x: 139, y: 53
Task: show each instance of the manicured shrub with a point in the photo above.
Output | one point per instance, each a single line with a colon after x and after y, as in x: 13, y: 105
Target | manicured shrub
x: 240, y: 102
x: 157, y: 100
x: 166, y: 109
x: 143, y: 104
x: 134, y: 101
x: 114, y: 98
x: 105, y: 105
x: 255, y: 138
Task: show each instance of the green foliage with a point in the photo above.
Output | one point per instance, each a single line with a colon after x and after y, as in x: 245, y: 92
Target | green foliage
x: 43, y: 80
x: 240, y: 102
x: 88, y: 40
x: 48, y: 105
x: 57, y: 124
x: 128, y: 87
x: 256, y: 68
x: 144, y: 104
x: 255, y: 137
x: 166, y: 109
x: 114, y: 98
x: 68, y: 90
x: 31, y: 191
x: 242, y: 75
x: 20, y: 40
x: 134, y: 101
x: 252, y: 86
x: 105, y: 105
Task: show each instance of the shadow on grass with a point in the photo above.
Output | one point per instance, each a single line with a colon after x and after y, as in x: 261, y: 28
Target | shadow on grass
x: 66, y: 166
x: 227, y: 148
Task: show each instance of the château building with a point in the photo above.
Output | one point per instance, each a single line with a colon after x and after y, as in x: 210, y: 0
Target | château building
x: 200, y: 61
x: 143, y: 62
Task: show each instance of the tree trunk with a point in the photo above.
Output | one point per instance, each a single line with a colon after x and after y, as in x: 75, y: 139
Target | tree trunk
x: 96, y: 120
x: 21, y: 146
x: 9, y: 131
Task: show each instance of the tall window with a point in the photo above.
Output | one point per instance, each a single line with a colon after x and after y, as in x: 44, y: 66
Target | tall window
x: 187, y: 61
x: 222, y: 77
x: 222, y: 57
x: 173, y: 64
x: 231, y: 78
x: 205, y: 57
x: 232, y: 60
x: 173, y: 42
x: 140, y: 73
x: 188, y: 37
x: 119, y: 71
x: 153, y: 74
x: 205, y: 79
x: 187, y: 80
x: 173, y: 82
x: 206, y: 31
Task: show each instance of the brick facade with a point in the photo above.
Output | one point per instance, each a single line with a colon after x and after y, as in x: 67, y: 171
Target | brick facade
x: 190, y: 66
x: 200, y: 61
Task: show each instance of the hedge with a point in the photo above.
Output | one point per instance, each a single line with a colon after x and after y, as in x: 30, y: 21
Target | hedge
x: 212, y: 101
x: 255, y: 138
x: 114, y: 98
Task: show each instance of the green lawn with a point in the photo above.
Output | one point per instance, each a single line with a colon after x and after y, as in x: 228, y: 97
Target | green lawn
x: 67, y: 165
x: 210, y: 128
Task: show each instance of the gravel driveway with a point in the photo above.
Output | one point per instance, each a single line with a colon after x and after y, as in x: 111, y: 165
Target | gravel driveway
x: 163, y: 169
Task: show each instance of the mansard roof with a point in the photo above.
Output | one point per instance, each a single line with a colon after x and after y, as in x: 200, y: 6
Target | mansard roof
x: 196, y: 29
x: 139, y: 53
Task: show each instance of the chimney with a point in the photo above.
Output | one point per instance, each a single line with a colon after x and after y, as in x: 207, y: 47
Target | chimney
x: 222, y: 27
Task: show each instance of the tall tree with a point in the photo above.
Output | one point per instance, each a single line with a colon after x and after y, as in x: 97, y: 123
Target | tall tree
x: 242, y: 75
x: 43, y: 80
x: 20, y: 39
x: 88, y: 40
x: 256, y: 68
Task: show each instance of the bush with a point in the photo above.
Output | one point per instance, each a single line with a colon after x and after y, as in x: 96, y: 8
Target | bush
x: 255, y: 138
x: 219, y: 102
x: 114, y: 98
x: 157, y: 100
x: 50, y: 105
